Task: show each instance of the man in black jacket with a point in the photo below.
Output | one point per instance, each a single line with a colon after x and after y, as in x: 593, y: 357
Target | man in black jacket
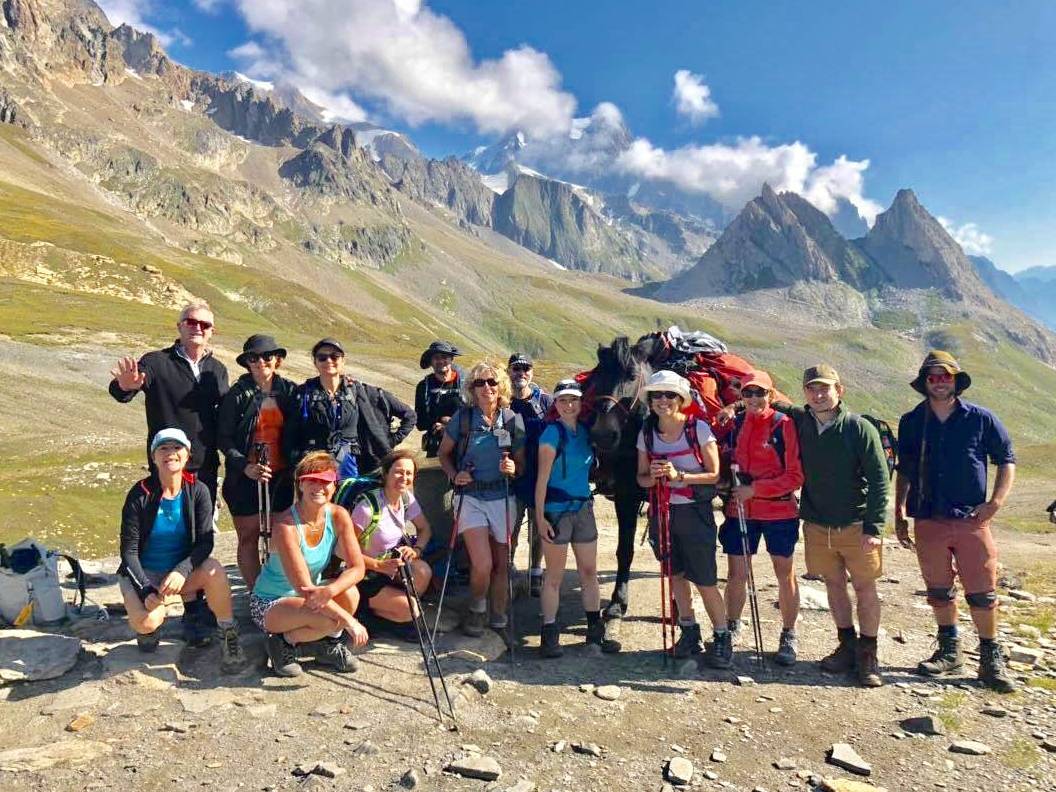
x: 439, y: 394
x: 348, y: 418
x: 183, y: 385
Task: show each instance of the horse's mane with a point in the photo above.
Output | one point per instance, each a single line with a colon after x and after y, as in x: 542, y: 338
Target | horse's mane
x: 619, y: 361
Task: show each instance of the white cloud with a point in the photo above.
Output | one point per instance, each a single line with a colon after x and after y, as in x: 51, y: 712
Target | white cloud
x: 208, y: 6
x: 336, y: 106
x: 692, y: 97
x: 256, y: 61
x: 734, y: 174
x: 415, y: 63
x: 972, y: 241
x: 134, y: 14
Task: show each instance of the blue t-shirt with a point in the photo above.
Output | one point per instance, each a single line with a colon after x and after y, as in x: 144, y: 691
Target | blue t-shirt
x: 169, y: 543
x: 958, y: 450
x: 483, y: 451
x: 569, y: 482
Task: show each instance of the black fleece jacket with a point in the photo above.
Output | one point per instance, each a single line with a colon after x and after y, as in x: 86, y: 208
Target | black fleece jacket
x: 238, y: 417
x: 137, y: 521
x: 175, y: 398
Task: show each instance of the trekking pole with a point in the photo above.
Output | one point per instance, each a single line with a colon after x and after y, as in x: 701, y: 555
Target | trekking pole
x: 452, y: 540
x: 509, y: 562
x: 425, y: 642
x: 661, y: 502
x: 263, y: 506
x: 753, y: 598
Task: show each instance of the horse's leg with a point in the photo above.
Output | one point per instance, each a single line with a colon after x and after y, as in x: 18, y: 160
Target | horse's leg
x: 627, y: 519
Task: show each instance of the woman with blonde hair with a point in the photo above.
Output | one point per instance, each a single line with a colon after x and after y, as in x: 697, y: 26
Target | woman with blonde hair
x: 482, y: 451
x: 290, y: 601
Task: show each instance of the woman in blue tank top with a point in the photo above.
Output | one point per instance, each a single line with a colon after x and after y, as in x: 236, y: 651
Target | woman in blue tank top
x: 290, y: 601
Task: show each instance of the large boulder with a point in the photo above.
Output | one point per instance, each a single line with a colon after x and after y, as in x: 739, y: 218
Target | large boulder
x: 28, y: 655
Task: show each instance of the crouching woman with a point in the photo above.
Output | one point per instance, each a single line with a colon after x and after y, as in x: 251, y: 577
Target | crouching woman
x: 166, y: 547
x: 290, y: 601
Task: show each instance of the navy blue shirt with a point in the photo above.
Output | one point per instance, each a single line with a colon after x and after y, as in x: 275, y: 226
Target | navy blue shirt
x: 953, y: 481
x: 533, y: 411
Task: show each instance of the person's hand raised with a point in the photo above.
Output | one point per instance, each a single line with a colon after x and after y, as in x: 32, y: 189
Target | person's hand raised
x: 128, y: 374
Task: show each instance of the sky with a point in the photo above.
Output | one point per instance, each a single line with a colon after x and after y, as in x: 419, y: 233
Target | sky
x: 835, y: 100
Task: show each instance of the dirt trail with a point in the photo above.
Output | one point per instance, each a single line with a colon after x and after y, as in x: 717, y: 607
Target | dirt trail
x: 176, y: 723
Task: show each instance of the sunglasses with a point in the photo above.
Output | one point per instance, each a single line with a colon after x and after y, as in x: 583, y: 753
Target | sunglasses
x: 491, y: 383
x: 322, y: 357
x: 255, y: 358
x: 520, y: 369
x: 935, y: 379
x: 753, y: 392
x: 664, y: 395
x: 201, y: 323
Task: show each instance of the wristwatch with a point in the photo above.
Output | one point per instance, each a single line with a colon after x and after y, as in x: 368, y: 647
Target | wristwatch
x: 681, y: 476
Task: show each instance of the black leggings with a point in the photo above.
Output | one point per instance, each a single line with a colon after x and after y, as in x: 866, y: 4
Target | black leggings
x: 627, y: 520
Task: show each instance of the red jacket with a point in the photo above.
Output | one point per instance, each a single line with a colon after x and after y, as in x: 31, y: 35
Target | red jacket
x: 775, y: 483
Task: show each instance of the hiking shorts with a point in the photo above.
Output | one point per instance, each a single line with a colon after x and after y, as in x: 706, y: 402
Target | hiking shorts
x: 490, y: 514
x: 836, y: 551
x: 240, y: 493
x: 781, y: 536
x: 258, y: 609
x: 577, y: 527
x: 694, y: 542
x: 956, y: 547
x: 154, y: 578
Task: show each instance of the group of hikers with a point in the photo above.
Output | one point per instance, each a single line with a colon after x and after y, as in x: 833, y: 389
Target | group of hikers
x: 338, y: 570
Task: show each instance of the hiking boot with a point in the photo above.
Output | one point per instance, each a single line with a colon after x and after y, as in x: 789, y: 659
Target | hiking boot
x: 945, y: 659
x: 550, y: 641
x: 689, y: 642
x: 786, y: 649
x: 842, y: 659
x: 473, y: 623
x: 334, y: 652
x: 283, y: 656
x: 868, y: 665
x: 148, y: 642
x: 992, y: 671
x: 720, y: 653
x: 198, y: 623
x: 617, y: 606
x: 595, y: 633
x: 499, y: 621
x: 535, y: 583
x: 232, y: 658
x: 734, y: 627
x: 610, y: 643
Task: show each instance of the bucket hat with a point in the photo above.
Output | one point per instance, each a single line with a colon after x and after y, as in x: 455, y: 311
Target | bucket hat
x: 669, y: 381
x: 937, y: 358
x: 437, y: 348
x: 259, y: 344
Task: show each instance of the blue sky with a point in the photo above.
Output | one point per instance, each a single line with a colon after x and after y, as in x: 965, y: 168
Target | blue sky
x: 952, y: 99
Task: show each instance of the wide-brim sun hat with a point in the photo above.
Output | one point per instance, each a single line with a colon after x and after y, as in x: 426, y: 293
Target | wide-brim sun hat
x: 662, y: 381
x: 170, y: 435
x: 259, y: 344
x: 437, y: 348
x: 937, y: 358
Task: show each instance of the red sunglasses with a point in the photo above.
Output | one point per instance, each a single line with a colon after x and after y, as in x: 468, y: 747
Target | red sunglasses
x: 935, y: 379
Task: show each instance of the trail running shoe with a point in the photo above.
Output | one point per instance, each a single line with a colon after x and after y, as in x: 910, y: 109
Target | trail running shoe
x: 283, y: 656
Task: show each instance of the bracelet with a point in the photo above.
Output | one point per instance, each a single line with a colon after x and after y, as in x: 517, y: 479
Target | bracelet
x: 681, y: 476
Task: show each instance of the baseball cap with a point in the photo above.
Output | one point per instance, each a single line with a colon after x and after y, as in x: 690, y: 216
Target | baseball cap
x: 823, y: 373
x: 568, y: 387
x: 170, y: 435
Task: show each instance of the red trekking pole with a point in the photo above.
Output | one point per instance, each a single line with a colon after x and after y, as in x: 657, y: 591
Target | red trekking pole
x: 660, y: 504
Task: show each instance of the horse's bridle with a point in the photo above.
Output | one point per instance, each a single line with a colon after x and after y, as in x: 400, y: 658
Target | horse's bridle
x: 628, y: 410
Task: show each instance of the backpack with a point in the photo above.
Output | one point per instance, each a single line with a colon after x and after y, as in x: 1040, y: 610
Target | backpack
x: 888, y: 442
x: 649, y: 429
x: 29, y: 584
x: 465, y: 414
x: 777, y: 436
x: 349, y: 490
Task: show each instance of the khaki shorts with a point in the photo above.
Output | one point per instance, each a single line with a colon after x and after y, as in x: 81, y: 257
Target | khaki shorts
x: 835, y: 552
x: 490, y: 514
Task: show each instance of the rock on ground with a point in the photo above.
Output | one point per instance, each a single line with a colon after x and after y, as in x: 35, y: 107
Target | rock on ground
x: 843, y: 755
x: 42, y: 757
x: 28, y: 655
x: 923, y: 724
x: 970, y: 747
x: 608, y: 692
x: 679, y: 770
x: 481, y: 767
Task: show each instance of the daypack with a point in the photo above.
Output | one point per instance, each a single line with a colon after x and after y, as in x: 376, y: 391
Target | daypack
x: 372, y: 497
x: 465, y: 414
x: 30, y: 590
x: 887, y: 440
x: 349, y: 490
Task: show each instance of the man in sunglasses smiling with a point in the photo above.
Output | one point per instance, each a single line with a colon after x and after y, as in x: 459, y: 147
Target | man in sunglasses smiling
x: 944, y: 444
x: 183, y: 385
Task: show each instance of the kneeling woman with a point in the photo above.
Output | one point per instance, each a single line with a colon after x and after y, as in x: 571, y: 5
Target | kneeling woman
x: 380, y: 517
x: 166, y: 546
x: 290, y: 601
x: 563, y: 499
x: 678, y: 455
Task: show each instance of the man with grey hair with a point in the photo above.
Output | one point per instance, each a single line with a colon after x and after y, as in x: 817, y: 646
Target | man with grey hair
x: 183, y: 385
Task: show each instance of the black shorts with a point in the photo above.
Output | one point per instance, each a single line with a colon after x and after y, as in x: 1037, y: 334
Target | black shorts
x: 372, y: 584
x: 694, y: 540
x: 240, y: 493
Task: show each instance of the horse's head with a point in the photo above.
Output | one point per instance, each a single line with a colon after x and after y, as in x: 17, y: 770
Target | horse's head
x: 616, y: 391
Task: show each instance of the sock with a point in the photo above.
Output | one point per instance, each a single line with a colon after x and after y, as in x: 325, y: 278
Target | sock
x: 986, y: 642
x: 537, y: 571
x: 223, y: 624
x: 547, y: 622
x: 479, y: 605
x: 867, y: 640
x: 720, y: 631
x: 593, y: 617
x: 687, y: 622
x: 948, y: 630
x: 788, y: 630
x: 847, y: 634
x: 337, y: 634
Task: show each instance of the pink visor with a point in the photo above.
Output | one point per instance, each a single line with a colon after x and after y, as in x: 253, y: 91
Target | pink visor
x: 323, y: 475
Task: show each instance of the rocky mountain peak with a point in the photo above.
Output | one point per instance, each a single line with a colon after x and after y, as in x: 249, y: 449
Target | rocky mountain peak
x: 141, y: 51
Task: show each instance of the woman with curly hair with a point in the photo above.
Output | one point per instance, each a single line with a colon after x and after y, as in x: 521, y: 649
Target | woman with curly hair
x: 482, y: 451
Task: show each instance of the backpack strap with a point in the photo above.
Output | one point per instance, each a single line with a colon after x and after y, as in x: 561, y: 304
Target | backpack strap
x: 464, y: 416
x: 78, y: 576
x: 562, y: 441
x: 371, y: 497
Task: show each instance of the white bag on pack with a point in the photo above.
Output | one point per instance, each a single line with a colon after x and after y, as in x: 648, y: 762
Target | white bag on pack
x: 39, y: 586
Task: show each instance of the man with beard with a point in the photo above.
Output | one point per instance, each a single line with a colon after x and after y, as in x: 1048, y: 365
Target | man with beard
x: 944, y: 444
x: 532, y: 403
x: 439, y: 395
